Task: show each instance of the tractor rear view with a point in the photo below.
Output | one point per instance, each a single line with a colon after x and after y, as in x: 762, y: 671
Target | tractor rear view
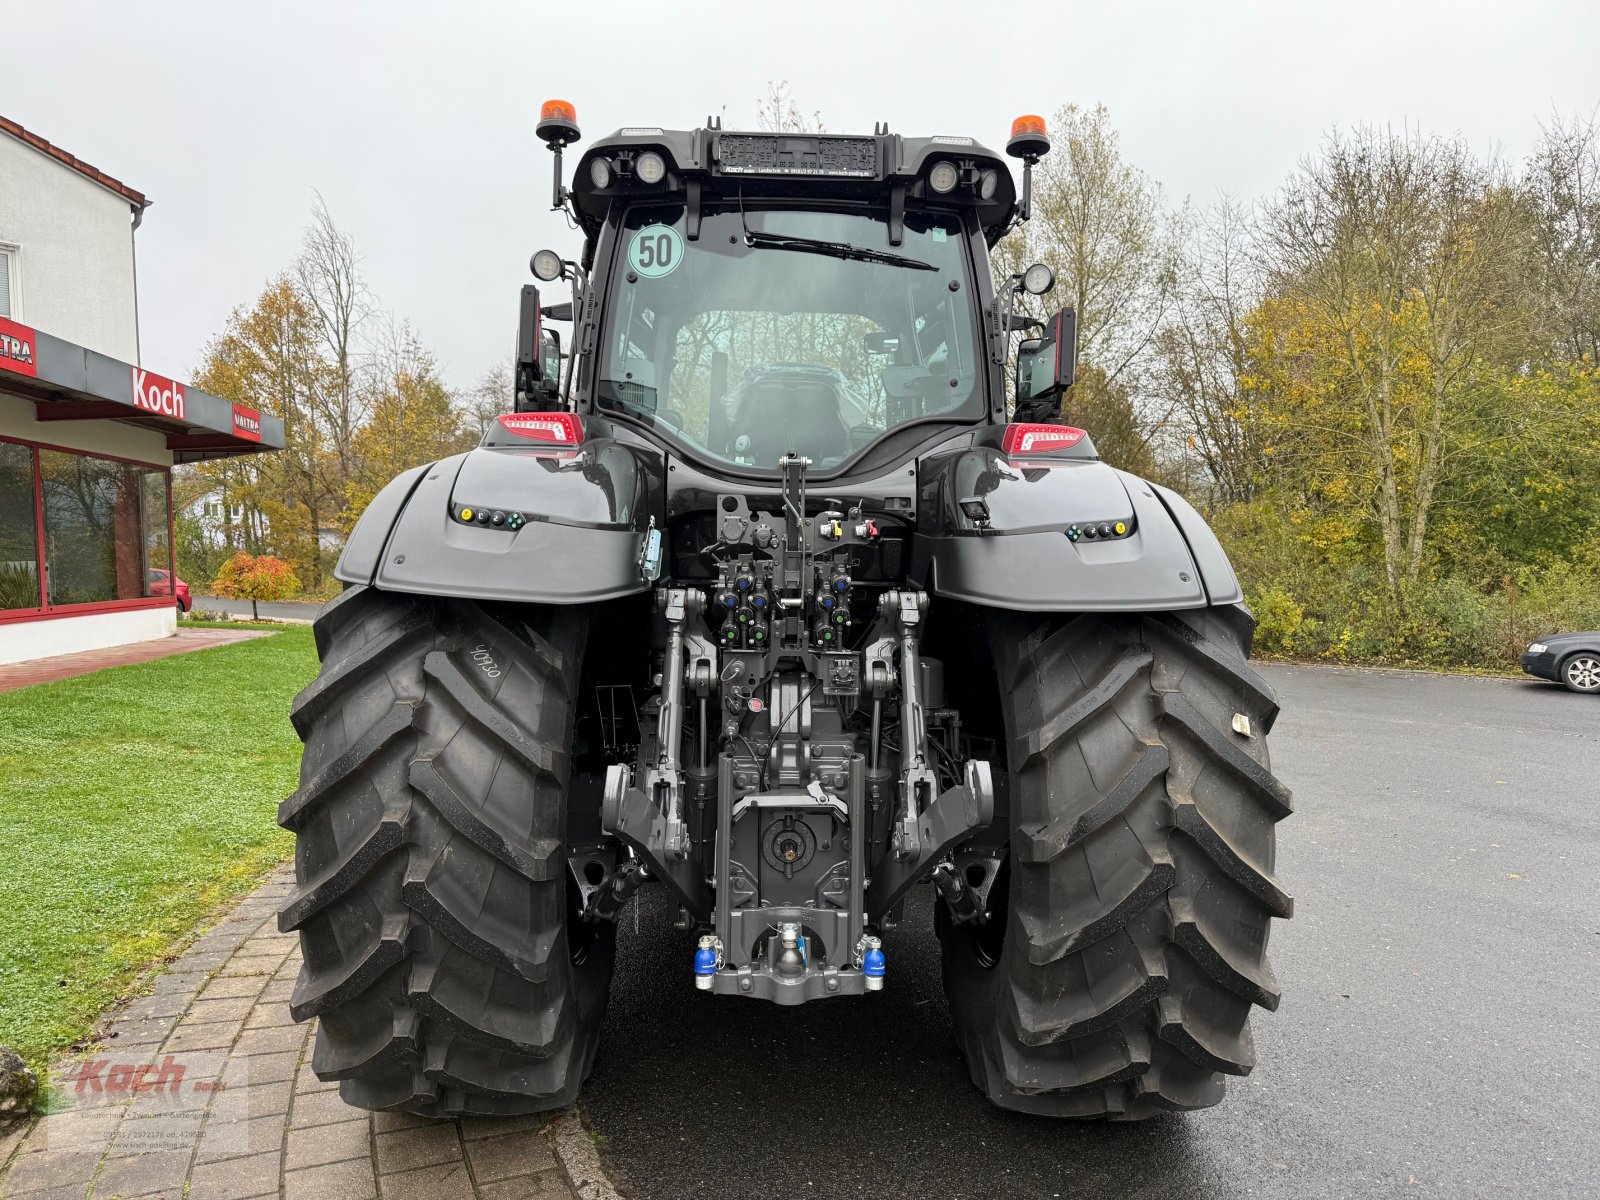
x: 764, y: 596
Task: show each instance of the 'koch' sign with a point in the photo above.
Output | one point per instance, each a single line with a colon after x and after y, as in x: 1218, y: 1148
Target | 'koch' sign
x: 16, y: 349
x: 157, y: 394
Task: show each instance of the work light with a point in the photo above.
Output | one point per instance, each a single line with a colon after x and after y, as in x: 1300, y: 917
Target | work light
x: 546, y: 265
x: 649, y: 167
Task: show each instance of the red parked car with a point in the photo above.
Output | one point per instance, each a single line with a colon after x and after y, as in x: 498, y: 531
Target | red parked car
x: 161, y: 585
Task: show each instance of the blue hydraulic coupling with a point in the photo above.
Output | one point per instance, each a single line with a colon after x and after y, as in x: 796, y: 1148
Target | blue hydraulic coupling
x: 872, y: 962
x: 705, y: 962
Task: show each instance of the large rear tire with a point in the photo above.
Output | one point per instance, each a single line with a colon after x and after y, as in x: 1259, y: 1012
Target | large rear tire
x: 1128, y: 947
x: 441, y: 957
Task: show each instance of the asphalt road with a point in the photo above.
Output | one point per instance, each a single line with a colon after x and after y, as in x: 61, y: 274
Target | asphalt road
x: 1438, y: 1034
x: 288, y: 610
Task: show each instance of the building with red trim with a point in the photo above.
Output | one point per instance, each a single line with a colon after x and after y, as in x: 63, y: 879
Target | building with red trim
x: 88, y: 434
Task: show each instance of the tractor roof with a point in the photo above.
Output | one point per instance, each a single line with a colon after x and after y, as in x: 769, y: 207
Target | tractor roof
x: 713, y: 164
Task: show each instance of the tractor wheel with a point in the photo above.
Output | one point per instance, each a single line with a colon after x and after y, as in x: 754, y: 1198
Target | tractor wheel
x: 1127, y: 942
x: 442, y: 956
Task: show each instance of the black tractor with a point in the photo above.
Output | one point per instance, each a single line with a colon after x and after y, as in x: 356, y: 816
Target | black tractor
x: 764, y: 595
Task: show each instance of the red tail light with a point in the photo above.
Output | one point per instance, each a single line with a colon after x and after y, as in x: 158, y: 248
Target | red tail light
x: 1039, y: 439
x: 559, y: 429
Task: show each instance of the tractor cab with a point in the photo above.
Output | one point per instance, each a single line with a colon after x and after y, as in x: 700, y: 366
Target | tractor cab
x: 746, y: 296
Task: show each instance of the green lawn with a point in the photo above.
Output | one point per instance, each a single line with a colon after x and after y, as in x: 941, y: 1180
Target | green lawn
x: 134, y: 802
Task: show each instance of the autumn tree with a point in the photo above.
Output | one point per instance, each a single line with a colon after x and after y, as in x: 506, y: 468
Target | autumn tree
x: 412, y: 420
x: 270, y: 357
x: 1393, y: 258
x: 255, y: 578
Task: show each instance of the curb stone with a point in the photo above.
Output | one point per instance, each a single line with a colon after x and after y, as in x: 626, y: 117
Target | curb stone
x: 577, y: 1153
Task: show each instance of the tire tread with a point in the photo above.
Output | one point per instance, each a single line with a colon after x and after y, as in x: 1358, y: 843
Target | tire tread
x: 1142, y: 881
x: 431, y: 878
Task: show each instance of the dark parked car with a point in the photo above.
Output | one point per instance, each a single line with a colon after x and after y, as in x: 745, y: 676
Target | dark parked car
x: 1569, y: 658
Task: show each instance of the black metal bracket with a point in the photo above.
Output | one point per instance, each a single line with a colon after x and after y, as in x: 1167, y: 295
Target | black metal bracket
x: 956, y: 815
x: 965, y: 884
x: 631, y: 816
x: 691, y: 216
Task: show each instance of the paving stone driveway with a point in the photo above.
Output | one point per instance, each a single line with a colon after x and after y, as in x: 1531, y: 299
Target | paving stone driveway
x: 204, y: 1090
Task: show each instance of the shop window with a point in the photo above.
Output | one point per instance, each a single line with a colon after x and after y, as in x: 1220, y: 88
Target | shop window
x: 19, y: 529
x: 157, y: 533
x: 105, y: 528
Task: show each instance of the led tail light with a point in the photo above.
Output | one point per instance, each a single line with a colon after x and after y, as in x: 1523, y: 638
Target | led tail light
x: 1040, y: 439
x: 556, y: 428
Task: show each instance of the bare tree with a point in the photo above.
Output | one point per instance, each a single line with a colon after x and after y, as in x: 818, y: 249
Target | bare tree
x: 328, y: 274
x: 394, y: 350
x: 777, y: 112
x: 1562, y: 180
x: 1103, y: 224
x: 1203, y: 356
x: 493, y: 394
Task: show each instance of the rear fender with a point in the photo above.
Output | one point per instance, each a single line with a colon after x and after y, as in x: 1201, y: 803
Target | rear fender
x: 571, y: 528
x: 1026, y: 557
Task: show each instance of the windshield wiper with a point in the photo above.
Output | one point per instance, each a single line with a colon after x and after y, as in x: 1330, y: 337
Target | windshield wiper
x: 810, y: 245
x: 790, y: 241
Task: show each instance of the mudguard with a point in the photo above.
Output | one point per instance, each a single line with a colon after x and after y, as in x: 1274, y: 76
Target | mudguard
x: 1064, y: 536
x: 507, y: 523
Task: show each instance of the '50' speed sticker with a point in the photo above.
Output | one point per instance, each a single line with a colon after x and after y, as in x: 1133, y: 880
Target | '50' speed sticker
x: 656, y: 250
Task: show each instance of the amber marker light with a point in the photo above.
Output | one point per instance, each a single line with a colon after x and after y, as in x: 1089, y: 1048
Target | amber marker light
x: 561, y: 110
x: 558, y: 124
x: 1029, y: 140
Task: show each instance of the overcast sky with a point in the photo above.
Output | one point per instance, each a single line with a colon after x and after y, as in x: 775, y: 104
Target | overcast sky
x: 416, y: 121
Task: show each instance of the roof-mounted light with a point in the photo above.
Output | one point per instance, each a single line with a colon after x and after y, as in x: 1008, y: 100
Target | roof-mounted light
x: 558, y: 123
x: 943, y: 177
x: 649, y: 167
x: 1030, y: 143
x: 555, y: 428
x: 1028, y: 138
x: 600, y: 172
